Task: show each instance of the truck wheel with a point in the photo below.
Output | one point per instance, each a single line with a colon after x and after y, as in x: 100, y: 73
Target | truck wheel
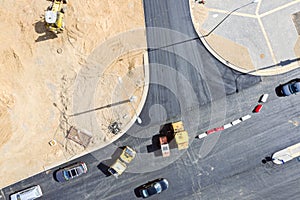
x: 65, y: 1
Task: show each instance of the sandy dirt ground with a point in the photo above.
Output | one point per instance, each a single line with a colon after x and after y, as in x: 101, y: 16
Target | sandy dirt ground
x: 38, y: 70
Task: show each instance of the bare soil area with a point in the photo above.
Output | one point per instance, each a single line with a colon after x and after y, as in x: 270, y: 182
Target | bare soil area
x: 38, y: 70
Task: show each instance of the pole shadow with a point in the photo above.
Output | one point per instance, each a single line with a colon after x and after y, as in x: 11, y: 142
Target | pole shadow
x: 102, y: 107
x: 165, y: 130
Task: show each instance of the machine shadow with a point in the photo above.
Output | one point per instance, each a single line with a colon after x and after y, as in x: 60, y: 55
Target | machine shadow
x: 40, y: 28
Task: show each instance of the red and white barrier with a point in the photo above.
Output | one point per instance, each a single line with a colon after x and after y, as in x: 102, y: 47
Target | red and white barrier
x: 226, y: 126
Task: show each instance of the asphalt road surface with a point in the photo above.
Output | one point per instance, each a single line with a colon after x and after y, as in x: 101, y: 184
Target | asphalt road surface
x: 188, y: 84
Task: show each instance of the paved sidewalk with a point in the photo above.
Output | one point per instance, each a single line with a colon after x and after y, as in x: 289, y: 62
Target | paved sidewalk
x: 261, y: 38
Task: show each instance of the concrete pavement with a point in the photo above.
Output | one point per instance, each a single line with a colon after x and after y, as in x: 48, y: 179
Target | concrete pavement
x: 258, y: 37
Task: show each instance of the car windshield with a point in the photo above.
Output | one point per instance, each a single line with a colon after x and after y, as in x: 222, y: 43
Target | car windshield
x: 73, y: 172
x: 295, y: 87
x: 164, y: 184
x: 129, y: 153
x: 156, y: 188
x: 165, y: 148
x: 67, y: 174
x: 28, y: 194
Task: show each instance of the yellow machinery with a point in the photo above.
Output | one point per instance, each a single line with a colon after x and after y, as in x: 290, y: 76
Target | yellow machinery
x: 181, y: 136
x: 119, y: 166
x: 54, y: 16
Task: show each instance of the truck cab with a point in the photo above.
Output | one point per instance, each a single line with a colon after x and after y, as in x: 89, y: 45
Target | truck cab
x: 54, y: 16
x: 120, y: 165
x: 287, y: 154
x: 181, y: 136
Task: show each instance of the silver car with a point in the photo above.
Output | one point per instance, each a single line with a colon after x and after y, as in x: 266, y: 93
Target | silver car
x: 70, y: 172
x: 28, y: 194
x: 293, y: 87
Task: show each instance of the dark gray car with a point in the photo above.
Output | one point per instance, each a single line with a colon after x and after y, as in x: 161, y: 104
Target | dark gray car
x: 154, y: 187
x: 289, y: 88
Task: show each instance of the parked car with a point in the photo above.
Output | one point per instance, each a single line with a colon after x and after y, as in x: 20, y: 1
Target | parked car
x: 154, y: 187
x: 291, y: 87
x: 70, y: 172
x: 28, y: 194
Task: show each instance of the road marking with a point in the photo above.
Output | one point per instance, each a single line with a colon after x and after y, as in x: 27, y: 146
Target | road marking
x: 257, y: 8
x: 279, y: 8
x: 233, y: 13
x: 267, y: 39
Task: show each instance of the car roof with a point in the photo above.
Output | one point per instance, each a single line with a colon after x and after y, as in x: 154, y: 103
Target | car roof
x: 29, y: 193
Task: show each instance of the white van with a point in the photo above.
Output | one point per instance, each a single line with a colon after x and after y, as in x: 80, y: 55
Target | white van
x: 28, y: 194
x: 287, y: 154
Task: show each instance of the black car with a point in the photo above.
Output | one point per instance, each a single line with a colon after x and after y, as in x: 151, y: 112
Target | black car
x: 71, y: 172
x: 291, y: 87
x: 154, y: 187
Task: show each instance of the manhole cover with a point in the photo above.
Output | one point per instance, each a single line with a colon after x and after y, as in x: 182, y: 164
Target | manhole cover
x: 296, y: 20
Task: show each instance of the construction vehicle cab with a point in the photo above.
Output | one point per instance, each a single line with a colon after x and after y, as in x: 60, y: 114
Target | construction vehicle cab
x: 54, y: 16
x: 120, y: 165
x: 287, y: 154
x: 181, y: 136
x: 172, y: 131
x: 165, y: 149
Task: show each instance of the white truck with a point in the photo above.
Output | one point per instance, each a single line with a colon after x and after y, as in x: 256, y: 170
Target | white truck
x: 287, y: 154
x: 165, y: 149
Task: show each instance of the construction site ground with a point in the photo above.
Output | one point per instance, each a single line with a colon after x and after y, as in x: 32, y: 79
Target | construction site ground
x: 40, y: 73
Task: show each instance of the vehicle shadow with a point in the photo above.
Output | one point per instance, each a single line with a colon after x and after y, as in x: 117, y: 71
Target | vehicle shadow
x: 165, y: 130
x: 155, y: 146
x: 137, y: 191
x: 54, y: 175
x: 104, y: 165
x: 40, y: 28
x: 278, y: 91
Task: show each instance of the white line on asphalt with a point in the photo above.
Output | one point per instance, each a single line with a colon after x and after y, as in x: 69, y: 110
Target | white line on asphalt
x: 267, y: 39
x: 279, y: 8
x: 257, y: 8
x: 234, y: 13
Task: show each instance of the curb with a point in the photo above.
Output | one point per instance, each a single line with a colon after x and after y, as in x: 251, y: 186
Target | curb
x: 126, y: 128
x: 256, y: 72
